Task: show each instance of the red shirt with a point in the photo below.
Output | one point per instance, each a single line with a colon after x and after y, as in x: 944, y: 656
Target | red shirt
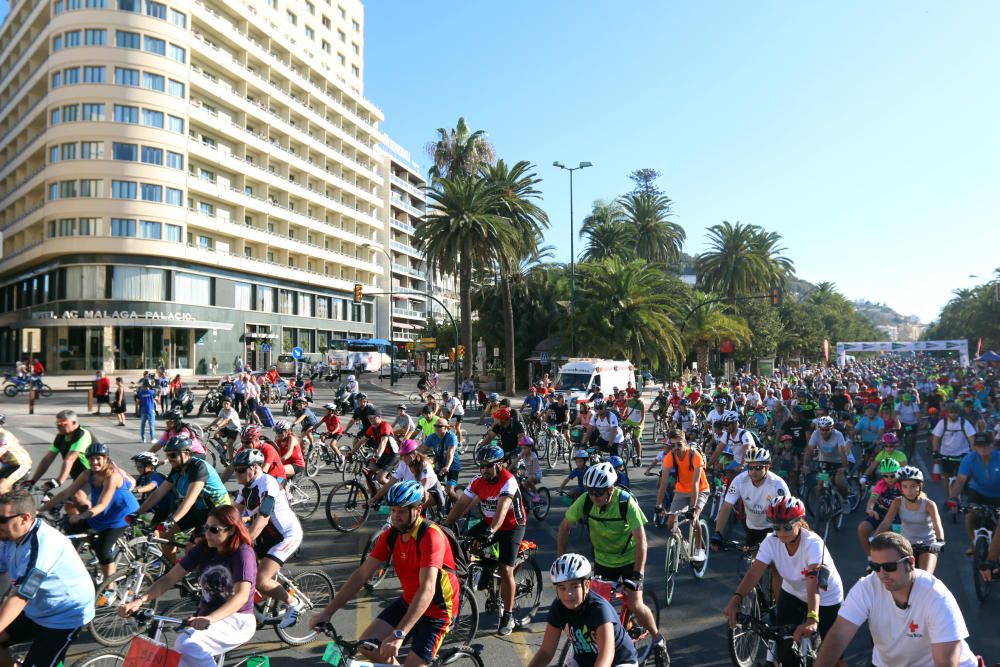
x: 333, y: 424
x: 291, y: 442
x: 630, y: 392
x: 103, y: 386
x: 786, y: 394
x: 694, y: 396
x: 272, y: 462
x: 489, y: 493
x: 272, y: 376
x: 38, y: 368
x: 376, y: 433
x: 435, y: 551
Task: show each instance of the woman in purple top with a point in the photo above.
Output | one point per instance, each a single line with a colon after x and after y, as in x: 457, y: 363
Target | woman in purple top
x: 227, y: 569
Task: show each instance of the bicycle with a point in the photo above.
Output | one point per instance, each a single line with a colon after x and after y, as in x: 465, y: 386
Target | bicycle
x: 554, y: 446
x: 484, y: 575
x: 640, y: 636
x: 678, y: 548
x: 347, y: 503
x: 985, y: 521
x: 806, y: 648
x: 826, y: 504
x: 540, y: 508
x: 339, y: 649
x: 319, y: 454
x: 304, y: 495
x: 743, y: 647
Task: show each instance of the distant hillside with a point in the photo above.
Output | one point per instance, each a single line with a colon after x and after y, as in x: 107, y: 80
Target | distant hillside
x: 879, y: 314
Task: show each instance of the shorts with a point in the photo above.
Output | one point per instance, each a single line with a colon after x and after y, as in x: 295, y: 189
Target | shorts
x: 195, y: 518
x: 949, y: 465
x: 756, y: 536
x: 457, y: 419
x: 388, y: 460
x: 875, y: 523
x: 297, y: 469
x: 979, y: 499
x: 48, y: 645
x: 104, y: 400
x: 452, y: 478
x: 791, y: 611
x: 614, y: 574
x: 103, y: 543
x: 272, y: 544
x: 228, y: 432
x: 426, y: 636
x: 682, y: 501
x: 508, y: 541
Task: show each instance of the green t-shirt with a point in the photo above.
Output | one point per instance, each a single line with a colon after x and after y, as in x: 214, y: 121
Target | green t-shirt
x: 427, y: 425
x: 896, y: 454
x: 611, y: 536
x: 77, y: 441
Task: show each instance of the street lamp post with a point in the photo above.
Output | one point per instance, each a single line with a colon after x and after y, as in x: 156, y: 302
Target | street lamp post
x: 392, y: 343
x: 572, y: 255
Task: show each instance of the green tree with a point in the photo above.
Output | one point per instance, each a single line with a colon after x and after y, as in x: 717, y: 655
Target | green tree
x: 459, y: 152
x: 742, y: 260
x: 972, y: 313
x: 630, y: 308
x: 645, y: 182
x: 605, y: 231
x: 516, y: 202
x: 708, y: 326
x: 654, y: 238
x: 462, y: 228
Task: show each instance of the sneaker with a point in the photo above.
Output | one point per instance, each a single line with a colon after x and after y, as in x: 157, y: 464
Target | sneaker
x: 660, y: 647
x: 292, y: 614
x: 108, y: 598
x: 506, y: 624
x: 699, y: 556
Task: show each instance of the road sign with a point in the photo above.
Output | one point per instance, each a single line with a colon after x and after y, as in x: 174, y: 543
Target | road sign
x: 265, y: 347
x: 543, y: 357
x: 296, y: 353
x: 429, y: 342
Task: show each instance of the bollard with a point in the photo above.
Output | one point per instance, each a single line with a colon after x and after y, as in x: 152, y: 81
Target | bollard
x: 31, y: 401
x: 90, y: 400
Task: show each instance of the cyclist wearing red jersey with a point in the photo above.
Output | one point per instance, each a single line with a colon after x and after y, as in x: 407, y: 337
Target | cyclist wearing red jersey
x: 252, y: 437
x: 499, y: 497
x: 290, y: 449
x: 422, y: 557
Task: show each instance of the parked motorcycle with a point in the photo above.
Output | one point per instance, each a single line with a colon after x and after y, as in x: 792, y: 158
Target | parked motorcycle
x: 212, y: 402
x: 183, y: 400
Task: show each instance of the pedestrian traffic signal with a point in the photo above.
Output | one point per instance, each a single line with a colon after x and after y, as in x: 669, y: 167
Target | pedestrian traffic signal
x: 359, y: 291
x: 776, y: 294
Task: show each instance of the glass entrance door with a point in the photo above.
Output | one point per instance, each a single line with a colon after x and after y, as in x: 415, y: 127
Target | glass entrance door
x: 140, y: 348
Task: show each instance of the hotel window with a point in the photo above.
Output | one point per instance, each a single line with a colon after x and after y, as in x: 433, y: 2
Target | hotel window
x: 286, y: 302
x: 151, y: 155
x: 53, y: 154
x: 92, y: 150
x: 122, y: 227
x: 326, y: 46
x: 68, y: 151
x: 126, y: 114
x: 305, y: 305
x: 136, y: 283
x: 355, y: 71
x: 127, y: 152
x: 67, y: 189
x: 192, y: 289
x: 178, y: 19
x: 89, y: 227
x: 126, y: 77
x: 71, y: 76
x: 310, y: 34
x: 310, y: 8
x: 175, y: 160
x: 356, y: 26
x: 152, y: 118
x: 175, y: 124
x: 57, y: 43
x: 356, y: 49
x: 96, y: 4
x: 243, y: 296
x: 57, y: 79
x: 157, y: 10
x: 95, y: 36
x: 67, y: 227
x: 175, y: 88
x: 152, y: 192
x: 154, y: 45
x: 93, y: 188
x: 292, y: 18
x: 56, y: 117
x: 177, y: 53
x: 72, y: 39
x: 123, y: 190
x: 127, y: 40
x: 130, y: 5
x: 71, y: 113
x: 150, y: 229
x: 265, y: 299
x: 322, y: 307
x: 172, y: 233
x: 152, y: 81
x: 85, y: 282
x: 92, y: 111
x: 175, y: 197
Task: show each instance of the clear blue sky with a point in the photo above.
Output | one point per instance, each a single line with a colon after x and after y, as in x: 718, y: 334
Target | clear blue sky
x: 865, y: 133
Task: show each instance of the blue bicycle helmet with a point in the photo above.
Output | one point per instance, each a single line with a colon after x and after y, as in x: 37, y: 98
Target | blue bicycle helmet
x: 405, y: 494
x: 489, y: 454
x: 178, y: 443
x: 616, y: 461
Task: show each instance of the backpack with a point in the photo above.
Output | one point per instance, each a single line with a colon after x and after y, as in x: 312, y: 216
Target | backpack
x: 623, y: 500
x: 461, y: 564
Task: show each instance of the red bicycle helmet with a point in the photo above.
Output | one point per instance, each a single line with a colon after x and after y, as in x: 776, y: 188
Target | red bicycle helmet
x: 502, y: 414
x: 785, y: 509
x: 251, y: 433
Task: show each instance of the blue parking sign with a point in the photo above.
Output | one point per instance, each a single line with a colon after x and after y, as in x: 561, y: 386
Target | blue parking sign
x: 297, y: 352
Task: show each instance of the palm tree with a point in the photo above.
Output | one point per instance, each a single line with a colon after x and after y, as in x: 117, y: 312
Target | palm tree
x: 709, y: 325
x: 653, y: 237
x: 825, y: 293
x: 605, y: 231
x: 602, y: 212
x: 515, y: 201
x: 463, y: 228
x: 458, y: 152
x: 630, y: 308
x: 742, y: 260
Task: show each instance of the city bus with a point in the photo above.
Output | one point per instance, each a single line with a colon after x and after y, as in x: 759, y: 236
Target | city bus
x: 350, y: 353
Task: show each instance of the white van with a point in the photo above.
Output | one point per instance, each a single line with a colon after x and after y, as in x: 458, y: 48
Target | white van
x: 577, y: 376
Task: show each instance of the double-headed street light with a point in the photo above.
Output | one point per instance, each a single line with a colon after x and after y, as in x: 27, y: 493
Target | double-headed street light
x: 392, y: 343
x: 572, y: 255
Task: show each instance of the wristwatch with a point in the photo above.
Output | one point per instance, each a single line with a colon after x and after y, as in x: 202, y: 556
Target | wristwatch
x: 398, y: 634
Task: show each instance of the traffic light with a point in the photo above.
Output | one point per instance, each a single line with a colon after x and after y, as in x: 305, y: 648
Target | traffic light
x: 461, y: 352
x: 359, y: 291
x: 776, y: 294
x: 451, y: 355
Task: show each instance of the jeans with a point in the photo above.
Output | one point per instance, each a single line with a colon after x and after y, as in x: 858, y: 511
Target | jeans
x: 150, y: 418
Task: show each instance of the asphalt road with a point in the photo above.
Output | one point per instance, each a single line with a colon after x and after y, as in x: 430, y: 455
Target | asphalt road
x: 693, y: 624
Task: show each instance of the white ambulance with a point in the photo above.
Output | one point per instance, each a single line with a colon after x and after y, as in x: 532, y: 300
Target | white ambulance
x: 577, y: 376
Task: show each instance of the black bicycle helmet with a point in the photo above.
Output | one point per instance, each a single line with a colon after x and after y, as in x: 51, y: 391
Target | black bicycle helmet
x: 489, y: 454
x: 98, y: 449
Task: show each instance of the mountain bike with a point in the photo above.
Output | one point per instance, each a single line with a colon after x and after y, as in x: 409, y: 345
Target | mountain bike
x: 826, y: 504
x: 984, y: 521
x: 680, y: 548
x: 342, y: 652
x: 320, y: 453
x: 744, y: 645
x: 484, y: 575
x: 304, y: 495
x: 771, y: 636
x: 553, y: 446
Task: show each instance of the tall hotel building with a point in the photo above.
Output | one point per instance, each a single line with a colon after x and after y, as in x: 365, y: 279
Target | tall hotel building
x: 190, y: 179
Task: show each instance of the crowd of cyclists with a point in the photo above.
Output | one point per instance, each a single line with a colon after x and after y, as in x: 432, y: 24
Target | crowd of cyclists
x: 753, y: 458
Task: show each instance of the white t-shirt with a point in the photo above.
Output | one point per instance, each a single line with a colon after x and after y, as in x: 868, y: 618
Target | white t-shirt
x: 403, y: 473
x: 908, y: 414
x: 282, y: 517
x: 811, y: 551
x: 756, y: 498
x: 456, y: 405
x: 232, y: 415
x: 905, y: 636
x: 714, y: 416
x: 737, y: 443
x: 605, y: 425
x: 952, y: 434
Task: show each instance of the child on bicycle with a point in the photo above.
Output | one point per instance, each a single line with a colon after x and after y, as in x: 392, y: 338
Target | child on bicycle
x: 585, y: 617
x: 580, y: 458
x: 885, y: 491
x: 658, y: 461
x: 787, y: 462
x: 918, y: 516
x: 147, y: 480
x: 528, y: 459
x: 618, y: 463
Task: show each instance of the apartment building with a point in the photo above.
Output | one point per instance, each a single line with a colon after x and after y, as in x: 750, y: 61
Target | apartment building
x: 183, y: 180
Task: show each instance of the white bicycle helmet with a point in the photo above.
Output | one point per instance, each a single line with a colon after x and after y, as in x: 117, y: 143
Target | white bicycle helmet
x: 910, y: 472
x: 824, y: 422
x: 600, y: 476
x: 570, y: 567
x: 730, y: 417
x: 281, y: 426
x: 757, y: 455
x: 350, y: 378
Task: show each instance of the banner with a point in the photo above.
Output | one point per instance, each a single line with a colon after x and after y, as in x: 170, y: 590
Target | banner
x: 826, y: 351
x: 961, y: 346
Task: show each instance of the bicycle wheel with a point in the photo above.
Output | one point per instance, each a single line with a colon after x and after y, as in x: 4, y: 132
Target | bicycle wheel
x: 551, y: 452
x: 304, y: 496
x: 102, y: 658
x: 837, y: 504
x: 347, y: 506
x: 980, y: 550
x: 854, y: 493
x: 542, y: 507
x: 463, y: 656
x: 379, y: 576
x: 45, y: 391
x: 641, y: 637
x: 699, y: 569
x: 352, y: 468
x: 466, y: 622
x: 745, y: 644
x: 542, y: 446
x: 670, y: 565
x: 527, y: 591
x: 313, y: 460
x: 315, y: 590
x: 107, y: 627
x: 186, y: 607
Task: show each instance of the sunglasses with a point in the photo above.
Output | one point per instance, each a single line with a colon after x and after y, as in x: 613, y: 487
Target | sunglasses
x: 486, y: 466
x: 215, y: 530
x: 891, y: 566
x: 786, y: 527
x: 755, y: 467
x: 241, y: 470
x: 597, y: 493
x: 5, y: 519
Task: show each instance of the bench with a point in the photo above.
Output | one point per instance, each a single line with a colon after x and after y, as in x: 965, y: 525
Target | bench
x: 207, y: 383
x: 75, y: 385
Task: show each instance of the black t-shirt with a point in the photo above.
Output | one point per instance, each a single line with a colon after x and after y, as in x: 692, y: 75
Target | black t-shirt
x: 509, y: 435
x: 583, y: 624
x: 364, y: 415
x: 798, y: 430
x: 560, y: 412
x: 840, y: 402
